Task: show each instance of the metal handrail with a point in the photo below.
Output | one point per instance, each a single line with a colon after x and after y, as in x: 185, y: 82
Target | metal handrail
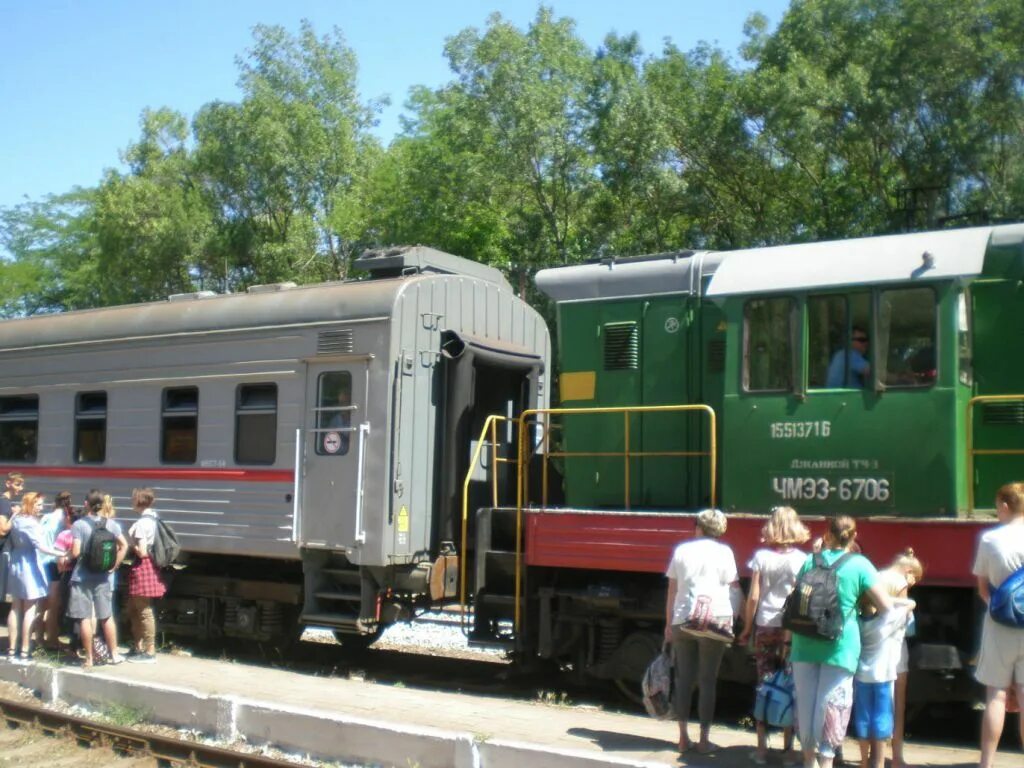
x: 626, y: 454
x: 972, y: 451
x: 490, y: 425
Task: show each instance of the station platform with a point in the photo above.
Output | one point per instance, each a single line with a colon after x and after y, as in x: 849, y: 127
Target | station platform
x: 365, y: 723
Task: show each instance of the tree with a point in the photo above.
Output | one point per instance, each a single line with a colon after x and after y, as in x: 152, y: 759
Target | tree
x: 282, y: 166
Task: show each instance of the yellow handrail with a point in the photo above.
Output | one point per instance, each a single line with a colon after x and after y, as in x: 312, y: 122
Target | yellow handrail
x: 972, y: 451
x: 523, y: 463
x: 490, y: 425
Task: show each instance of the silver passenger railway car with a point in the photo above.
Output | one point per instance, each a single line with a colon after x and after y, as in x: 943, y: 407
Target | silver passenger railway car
x: 306, y: 443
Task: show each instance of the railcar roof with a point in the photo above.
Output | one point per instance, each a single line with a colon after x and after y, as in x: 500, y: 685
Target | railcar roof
x: 680, y: 272
x: 922, y: 256
x: 323, y: 302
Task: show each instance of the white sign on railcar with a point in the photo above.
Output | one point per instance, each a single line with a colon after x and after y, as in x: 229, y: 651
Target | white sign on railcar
x: 332, y: 442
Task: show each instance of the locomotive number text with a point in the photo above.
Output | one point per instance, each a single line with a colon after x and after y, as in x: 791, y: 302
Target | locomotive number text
x: 875, y: 489
x: 785, y: 430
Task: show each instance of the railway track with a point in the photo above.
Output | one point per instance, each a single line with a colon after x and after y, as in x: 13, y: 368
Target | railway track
x: 132, y: 742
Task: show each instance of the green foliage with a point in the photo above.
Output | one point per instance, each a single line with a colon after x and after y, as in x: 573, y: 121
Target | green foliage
x: 852, y: 117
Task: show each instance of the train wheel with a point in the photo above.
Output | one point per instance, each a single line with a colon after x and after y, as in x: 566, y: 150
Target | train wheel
x: 637, y: 651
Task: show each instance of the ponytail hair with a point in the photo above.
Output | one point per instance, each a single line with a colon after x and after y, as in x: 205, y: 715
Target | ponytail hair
x: 93, y: 502
x: 843, y: 531
x: 107, y: 507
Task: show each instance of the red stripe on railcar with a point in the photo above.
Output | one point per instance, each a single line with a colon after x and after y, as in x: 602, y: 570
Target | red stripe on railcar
x: 644, y: 542
x: 158, y: 473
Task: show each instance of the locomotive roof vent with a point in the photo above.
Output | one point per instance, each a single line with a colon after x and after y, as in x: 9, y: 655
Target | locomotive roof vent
x: 194, y: 296
x: 270, y: 287
x: 405, y: 260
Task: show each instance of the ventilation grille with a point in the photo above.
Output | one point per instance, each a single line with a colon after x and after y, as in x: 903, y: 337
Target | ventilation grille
x: 1004, y: 413
x: 716, y: 356
x: 621, y: 347
x: 334, y: 342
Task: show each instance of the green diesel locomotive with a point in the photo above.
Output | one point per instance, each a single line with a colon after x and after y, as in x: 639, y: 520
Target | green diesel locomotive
x: 877, y: 377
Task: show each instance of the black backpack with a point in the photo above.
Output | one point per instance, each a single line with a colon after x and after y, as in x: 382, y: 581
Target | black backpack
x: 165, y: 545
x: 101, y: 548
x: 812, y: 608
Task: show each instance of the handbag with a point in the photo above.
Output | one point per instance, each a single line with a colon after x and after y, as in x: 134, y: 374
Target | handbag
x: 658, y: 685
x: 703, y: 623
x: 773, y: 702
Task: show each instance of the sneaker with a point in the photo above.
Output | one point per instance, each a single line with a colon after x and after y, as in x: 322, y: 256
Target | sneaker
x: 143, y: 658
x: 133, y: 653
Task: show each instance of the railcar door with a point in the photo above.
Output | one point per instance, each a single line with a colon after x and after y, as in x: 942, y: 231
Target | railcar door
x: 331, y: 457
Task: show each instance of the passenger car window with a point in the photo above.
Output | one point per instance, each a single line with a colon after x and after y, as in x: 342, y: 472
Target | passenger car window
x: 19, y: 427
x: 768, y: 345
x: 256, y: 424
x: 90, y: 427
x: 180, y: 416
x: 334, y: 413
x: 907, y: 338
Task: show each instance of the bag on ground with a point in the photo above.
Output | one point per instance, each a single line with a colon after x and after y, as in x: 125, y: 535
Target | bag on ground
x: 1006, y: 602
x: 165, y: 545
x: 658, y: 683
x: 812, y: 608
x: 101, y: 548
x: 773, y: 702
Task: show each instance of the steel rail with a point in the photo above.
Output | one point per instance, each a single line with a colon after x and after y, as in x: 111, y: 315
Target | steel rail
x: 130, y: 741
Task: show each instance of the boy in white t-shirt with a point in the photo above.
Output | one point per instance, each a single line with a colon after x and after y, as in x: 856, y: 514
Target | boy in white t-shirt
x: 881, y: 643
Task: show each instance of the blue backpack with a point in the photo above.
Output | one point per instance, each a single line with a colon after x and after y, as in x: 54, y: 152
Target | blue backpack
x: 1006, y: 603
x: 773, y: 704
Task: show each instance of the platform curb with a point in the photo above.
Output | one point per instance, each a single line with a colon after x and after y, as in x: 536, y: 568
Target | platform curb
x: 323, y: 735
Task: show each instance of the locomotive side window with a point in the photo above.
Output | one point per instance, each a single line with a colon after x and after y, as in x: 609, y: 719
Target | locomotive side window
x: 180, y: 416
x: 90, y: 427
x: 256, y: 424
x: 19, y: 427
x: 334, y: 413
x: 906, y: 337
x: 839, y: 341
x: 768, y: 345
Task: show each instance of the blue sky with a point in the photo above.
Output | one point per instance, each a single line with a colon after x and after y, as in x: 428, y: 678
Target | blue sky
x: 76, y: 74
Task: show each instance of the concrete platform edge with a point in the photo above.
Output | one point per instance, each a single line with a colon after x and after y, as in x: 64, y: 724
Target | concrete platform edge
x: 318, y: 734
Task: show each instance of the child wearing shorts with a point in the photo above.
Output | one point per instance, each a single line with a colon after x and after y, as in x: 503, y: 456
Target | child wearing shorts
x: 881, y: 643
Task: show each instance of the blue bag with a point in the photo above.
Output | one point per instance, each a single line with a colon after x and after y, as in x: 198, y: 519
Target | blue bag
x: 773, y: 704
x: 1006, y: 603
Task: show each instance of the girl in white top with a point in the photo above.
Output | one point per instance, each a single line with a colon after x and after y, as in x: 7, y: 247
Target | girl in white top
x: 1001, y: 661
x: 773, y: 571
x: 906, y: 571
x: 703, y: 598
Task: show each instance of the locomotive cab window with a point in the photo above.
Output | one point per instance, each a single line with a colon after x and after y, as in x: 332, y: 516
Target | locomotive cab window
x: 90, y: 427
x: 256, y: 424
x: 839, y: 341
x: 907, y: 337
x: 334, y: 413
x: 180, y: 428
x: 768, y: 345
x: 19, y: 427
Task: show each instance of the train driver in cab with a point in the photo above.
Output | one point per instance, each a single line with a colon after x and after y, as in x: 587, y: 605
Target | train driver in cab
x: 858, y: 374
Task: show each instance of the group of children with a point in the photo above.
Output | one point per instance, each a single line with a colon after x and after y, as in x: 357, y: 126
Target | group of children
x: 53, y: 567
x: 880, y: 682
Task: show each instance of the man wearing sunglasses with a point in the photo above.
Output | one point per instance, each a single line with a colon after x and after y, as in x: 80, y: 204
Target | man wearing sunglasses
x: 850, y: 368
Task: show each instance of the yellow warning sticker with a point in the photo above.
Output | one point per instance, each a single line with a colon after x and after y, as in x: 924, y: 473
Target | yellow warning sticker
x: 403, y: 520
